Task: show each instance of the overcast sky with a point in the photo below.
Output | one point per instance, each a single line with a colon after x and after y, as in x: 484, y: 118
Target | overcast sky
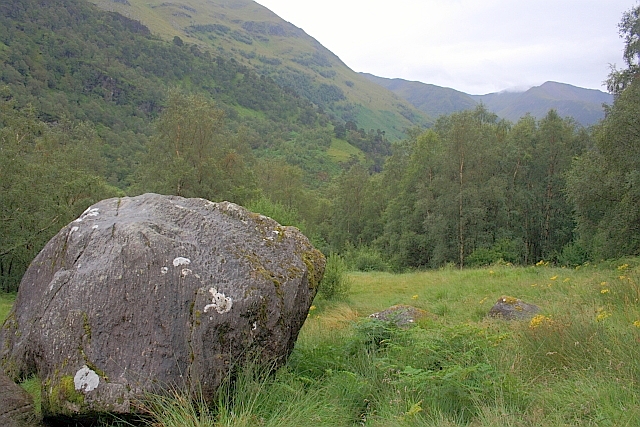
x: 476, y: 46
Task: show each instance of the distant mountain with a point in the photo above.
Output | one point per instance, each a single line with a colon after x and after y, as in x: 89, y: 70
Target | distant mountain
x: 584, y: 105
x: 258, y: 38
x: 433, y: 100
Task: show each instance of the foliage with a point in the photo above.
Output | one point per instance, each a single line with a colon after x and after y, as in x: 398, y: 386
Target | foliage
x: 335, y: 283
x: 48, y: 176
x: 191, y: 155
x: 603, y: 182
x: 481, y: 188
x: 629, y: 29
x: 364, y: 258
x: 103, y: 104
x: 87, y: 106
x: 276, y: 211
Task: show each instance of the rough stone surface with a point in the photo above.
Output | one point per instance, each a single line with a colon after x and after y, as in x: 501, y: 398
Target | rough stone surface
x: 145, y: 293
x: 16, y: 406
x: 401, y: 315
x: 510, y: 308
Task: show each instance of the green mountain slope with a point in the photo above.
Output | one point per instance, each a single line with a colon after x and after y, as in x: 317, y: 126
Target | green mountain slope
x: 87, y: 99
x: 257, y: 37
x: 584, y: 105
x: 433, y: 100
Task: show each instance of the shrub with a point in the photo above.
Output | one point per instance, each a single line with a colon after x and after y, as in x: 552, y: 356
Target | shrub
x: 335, y: 284
x: 364, y: 258
x: 483, y: 257
x: 275, y: 210
x: 572, y: 255
x: 505, y: 250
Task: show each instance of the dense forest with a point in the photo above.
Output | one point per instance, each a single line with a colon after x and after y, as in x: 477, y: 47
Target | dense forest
x: 92, y: 106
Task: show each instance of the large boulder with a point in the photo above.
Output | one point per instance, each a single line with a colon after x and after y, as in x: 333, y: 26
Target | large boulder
x: 146, y: 293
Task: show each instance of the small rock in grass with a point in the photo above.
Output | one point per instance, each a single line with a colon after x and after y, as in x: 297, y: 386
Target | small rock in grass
x: 401, y: 315
x: 510, y: 308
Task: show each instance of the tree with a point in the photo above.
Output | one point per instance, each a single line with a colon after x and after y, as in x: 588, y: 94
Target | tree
x: 629, y: 29
x: 48, y: 176
x: 604, y: 183
x: 191, y: 154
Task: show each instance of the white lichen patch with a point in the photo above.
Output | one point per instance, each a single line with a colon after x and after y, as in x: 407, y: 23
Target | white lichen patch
x: 181, y: 261
x: 164, y: 270
x: 95, y: 227
x: 90, y: 212
x: 219, y: 302
x: 185, y: 272
x: 74, y: 229
x: 86, y: 379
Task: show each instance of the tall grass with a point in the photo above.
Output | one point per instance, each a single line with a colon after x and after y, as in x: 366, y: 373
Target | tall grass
x: 575, y: 364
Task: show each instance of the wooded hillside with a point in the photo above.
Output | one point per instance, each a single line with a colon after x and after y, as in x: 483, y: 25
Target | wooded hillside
x: 92, y: 105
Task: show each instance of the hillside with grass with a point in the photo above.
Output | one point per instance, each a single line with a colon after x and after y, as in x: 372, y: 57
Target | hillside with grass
x: 258, y: 38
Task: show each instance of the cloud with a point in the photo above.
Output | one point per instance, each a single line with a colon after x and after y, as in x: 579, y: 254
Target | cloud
x: 473, y: 46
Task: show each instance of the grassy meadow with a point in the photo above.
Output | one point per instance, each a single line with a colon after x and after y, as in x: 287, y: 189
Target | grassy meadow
x: 575, y: 364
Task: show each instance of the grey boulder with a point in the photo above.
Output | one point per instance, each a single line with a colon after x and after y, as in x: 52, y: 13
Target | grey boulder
x: 510, y: 308
x: 151, y: 292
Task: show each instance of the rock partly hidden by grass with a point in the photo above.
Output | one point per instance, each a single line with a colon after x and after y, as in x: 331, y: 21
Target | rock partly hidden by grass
x: 510, y: 308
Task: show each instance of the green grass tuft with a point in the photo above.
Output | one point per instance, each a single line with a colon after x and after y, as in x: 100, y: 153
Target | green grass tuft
x: 6, y: 302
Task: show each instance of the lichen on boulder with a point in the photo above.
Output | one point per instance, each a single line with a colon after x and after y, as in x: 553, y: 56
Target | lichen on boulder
x: 146, y: 293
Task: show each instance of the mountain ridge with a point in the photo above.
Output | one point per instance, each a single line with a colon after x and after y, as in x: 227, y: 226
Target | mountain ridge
x: 584, y: 105
x: 257, y: 37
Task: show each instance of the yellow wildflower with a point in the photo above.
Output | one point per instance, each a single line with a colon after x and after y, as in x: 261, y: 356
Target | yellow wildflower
x: 604, y: 291
x: 603, y: 283
x: 566, y: 280
x: 603, y: 314
x: 313, y: 307
x: 539, y: 320
x: 553, y: 278
x: 622, y: 277
x: 623, y: 267
x: 491, y: 272
x: 414, y: 297
x: 636, y: 323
